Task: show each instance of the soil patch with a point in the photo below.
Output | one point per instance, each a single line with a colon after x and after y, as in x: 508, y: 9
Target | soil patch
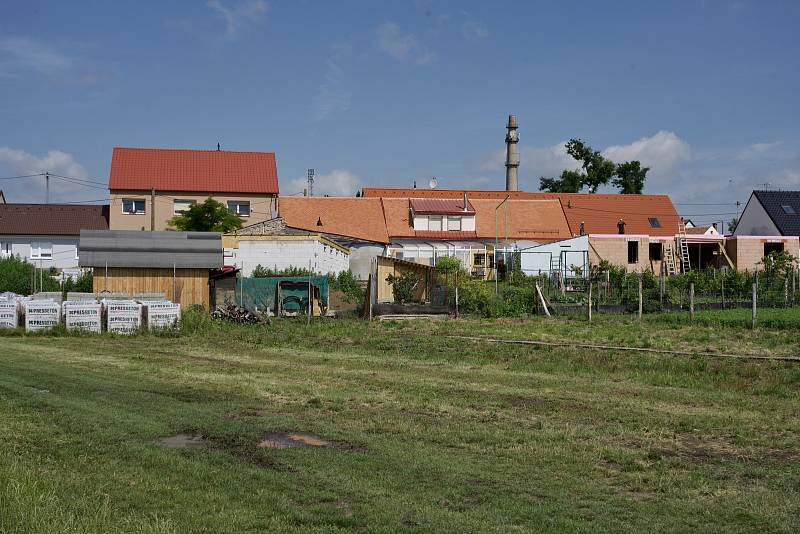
x: 183, y: 441
x: 343, y: 506
x: 300, y: 440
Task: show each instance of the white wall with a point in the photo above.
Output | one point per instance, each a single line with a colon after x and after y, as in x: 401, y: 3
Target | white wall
x: 64, y: 249
x: 755, y: 220
x: 422, y: 222
x: 282, y: 254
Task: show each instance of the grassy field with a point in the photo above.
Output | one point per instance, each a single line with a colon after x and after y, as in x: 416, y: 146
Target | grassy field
x: 426, y: 431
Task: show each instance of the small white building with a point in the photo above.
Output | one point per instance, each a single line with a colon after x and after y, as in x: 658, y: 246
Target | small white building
x: 570, y: 257
x: 48, y: 235
x: 274, y: 246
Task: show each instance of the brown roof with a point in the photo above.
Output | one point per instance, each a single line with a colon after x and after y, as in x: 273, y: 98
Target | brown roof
x: 360, y: 218
x: 698, y: 230
x: 600, y: 213
x: 208, y: 171
x: 441, y: 206
x: 51, y: 219
x: 382, y: 219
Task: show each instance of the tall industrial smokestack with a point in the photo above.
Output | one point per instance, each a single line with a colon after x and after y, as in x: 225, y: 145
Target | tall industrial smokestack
x: 512, y: 155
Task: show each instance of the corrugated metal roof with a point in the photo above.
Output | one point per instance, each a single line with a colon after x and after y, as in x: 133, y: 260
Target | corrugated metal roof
x: 131, y: 248
x: 206, y: 171
x: 51, y: 219
x: 446, y: 236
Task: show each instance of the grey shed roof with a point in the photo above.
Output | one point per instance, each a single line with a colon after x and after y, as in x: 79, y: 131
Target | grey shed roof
x: 132, y: 248
x: 774, y: 202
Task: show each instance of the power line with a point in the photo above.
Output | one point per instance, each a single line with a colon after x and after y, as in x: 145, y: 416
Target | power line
x: 23, y: 176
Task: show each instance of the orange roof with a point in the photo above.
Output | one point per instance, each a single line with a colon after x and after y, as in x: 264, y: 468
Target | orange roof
x: 383, y: 219
x: 207, y: 171
x: 599, y: 212
x: 360, y: 218
x: 441, y: 206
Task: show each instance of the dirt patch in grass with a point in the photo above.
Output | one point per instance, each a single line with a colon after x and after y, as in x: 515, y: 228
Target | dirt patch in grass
x: 183, y: 441
x: 638, y: 495
x: 699, y: 450
x: 343, y: 506
x: 301, y: 440
x: 244, y: 414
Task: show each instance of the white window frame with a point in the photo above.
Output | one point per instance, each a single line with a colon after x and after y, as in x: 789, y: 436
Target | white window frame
x: 135, y: 210
x: 454, y: 227
x: 236, y: 207
x: 184, y: 204
x: 39, y: 250
x: 438, y: 220
x: 5, y: 249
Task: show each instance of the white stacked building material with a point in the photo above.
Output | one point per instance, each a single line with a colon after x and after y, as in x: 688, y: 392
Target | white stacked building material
x: 163, y: 314
x: 83, y: 315
x: 123, y: 316
x: 41, y: 315
x: 9, y: 314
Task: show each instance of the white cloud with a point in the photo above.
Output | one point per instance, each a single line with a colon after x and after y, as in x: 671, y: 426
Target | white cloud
x: 333, y: 95
x: 402, y: 46
x: 28, y: 53
x: 337, y: 183
x: 661, y: 152
x: 238, y: 16
x: 19, y: 162
x: 757, y: 149
x: 473, y: 30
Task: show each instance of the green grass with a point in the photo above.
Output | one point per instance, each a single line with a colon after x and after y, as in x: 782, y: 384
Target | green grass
x: 443, y: 434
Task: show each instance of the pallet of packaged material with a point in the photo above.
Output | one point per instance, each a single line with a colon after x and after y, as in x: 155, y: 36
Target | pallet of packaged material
x: 123, y: 316
x: 9, y: 313
x: 161, y: 314
x: 83, y: 315
x: 41, y: 315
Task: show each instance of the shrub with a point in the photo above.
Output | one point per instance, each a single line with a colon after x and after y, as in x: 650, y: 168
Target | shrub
x: 264, y: 272
x: 348, y: 285
x: 404, y: 287
x: 16, y: 276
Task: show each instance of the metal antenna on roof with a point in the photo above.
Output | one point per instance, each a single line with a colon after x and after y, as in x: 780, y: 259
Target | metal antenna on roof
x: 311, y: 182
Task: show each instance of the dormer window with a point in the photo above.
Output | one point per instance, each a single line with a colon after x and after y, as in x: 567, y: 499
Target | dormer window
x: 435, y: 223
x: 454, y: 224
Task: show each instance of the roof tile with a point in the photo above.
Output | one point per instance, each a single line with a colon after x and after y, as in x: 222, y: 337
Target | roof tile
x: 51, y: 219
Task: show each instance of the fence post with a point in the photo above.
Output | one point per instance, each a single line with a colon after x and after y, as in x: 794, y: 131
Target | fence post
x: 723, y: 292
x: 755, y: 296
x: 785, y: 292
x: 456, y: 294
x: 640, y: 296
x: 691, y: 302
x: 589, y: 301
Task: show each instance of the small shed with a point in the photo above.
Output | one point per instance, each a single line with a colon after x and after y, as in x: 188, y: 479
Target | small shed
x: 394, y: 266
x: 173, y: 263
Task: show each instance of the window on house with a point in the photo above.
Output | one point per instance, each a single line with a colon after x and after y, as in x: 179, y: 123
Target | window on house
x: 454, y: 223
x: 656, y: 251
x: 179, y: 206
x: 654, y: 223
x: 435, y: 224
x: 633, y: 252
x: 133, y: 206
x: 788, y: 210
x: 479, y: 260
x: 769, y: 248
x: 490, y: 258
x: 41, y: 251
x: 242, y: 209
x: 5, y: 249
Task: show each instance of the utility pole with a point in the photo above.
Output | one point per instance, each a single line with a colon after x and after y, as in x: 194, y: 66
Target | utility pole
x: 152, y: 209
x: 47, y: 187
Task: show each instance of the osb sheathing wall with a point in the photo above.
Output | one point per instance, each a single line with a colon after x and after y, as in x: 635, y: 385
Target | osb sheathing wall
x: 387, y: 266
x: 615, y: 251
x: 747, y: 254
x: 190, y: 286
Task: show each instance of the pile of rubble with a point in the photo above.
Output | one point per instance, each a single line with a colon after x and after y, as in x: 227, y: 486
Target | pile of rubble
x: 237, y: 314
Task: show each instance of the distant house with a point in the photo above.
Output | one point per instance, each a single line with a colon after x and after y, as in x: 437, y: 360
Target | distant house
x: 48, y: 234
x: 2, y: 197
x: 148, y: 186
x: 769, y: 223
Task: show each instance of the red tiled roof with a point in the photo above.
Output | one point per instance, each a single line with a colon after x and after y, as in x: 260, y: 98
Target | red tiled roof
x: 360, y: 218
x: 446, y: 236
x: 441, y: 206
x: 599, y: 212
x: 206, y: 171
x: 51, y: 219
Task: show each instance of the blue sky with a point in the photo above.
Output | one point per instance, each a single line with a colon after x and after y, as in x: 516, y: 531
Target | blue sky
x: 385, y: 93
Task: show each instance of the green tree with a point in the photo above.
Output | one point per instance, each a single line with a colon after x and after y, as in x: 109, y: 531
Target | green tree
x: 207, y: 216
x: 17, y: 276
x: 569, y: 182
x: 732, y: 224
x: 630, y: 177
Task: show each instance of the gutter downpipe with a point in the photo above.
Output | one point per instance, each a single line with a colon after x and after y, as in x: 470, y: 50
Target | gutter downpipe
x: 497, y: 238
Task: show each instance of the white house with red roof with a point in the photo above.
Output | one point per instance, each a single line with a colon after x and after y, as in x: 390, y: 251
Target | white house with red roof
x: 148, y: 186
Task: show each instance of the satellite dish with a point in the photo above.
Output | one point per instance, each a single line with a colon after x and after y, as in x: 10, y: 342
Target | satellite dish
x: 433, y: 183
